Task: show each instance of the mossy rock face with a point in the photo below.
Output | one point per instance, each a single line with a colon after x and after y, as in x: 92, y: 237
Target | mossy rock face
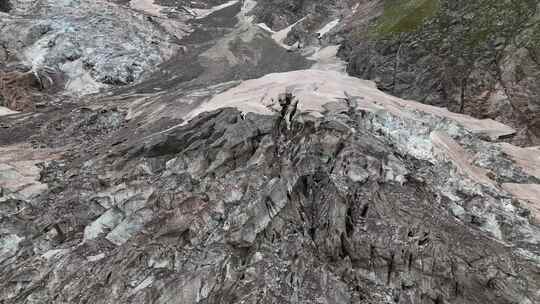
x: 458, y: 31
x: 470, y: 23
x: 405, y: 16
x: 486, y: 19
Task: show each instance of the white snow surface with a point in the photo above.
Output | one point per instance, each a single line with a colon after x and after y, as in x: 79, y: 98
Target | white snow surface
x: 6, y: 111
x: 265, y: 27
x: 200, y: 13
x: 328, y: 27
x: 326, y: 59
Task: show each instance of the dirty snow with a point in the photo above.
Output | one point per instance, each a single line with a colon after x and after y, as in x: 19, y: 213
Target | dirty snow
x: 79, y: 79
x: 326, y: 59
x: 34, y: 55
x: 327, y: 28
x: 19, y: 173
x: 265, y: 27
x: 200, y: 13
x: 450, y: 149
x: 244, y: 31
x: 315, y: 88
x: 528, y: 159
x: 147, y: 6
x: 280, y: 36
x: 247, y: 6
x: 530, y: 193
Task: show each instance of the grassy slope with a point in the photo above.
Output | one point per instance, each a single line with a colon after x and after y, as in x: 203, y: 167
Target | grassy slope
x: 472, y: 22
x: 405, y: 15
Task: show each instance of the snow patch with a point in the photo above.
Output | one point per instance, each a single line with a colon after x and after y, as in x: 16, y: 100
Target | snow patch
x: 200, y: 13
x: 492, y: 225
x: 145, y: 283
x: 19, y: 173
x: 327, y: 28
x: 447, y: 149
x: 265, y: 27
x: 326, y: 59
x: 5, y: 111
x: 528, y: 159
x: 95, y: 258
x: 247, y: 6
x: 35, y: 54
x: 80, y: 80
x: 244, y: 30
x: 280, y: 36
x: 147, y: 6
x: 528, y: 193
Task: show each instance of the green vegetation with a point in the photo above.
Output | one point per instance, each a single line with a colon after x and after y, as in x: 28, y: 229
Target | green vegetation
x: 484, y: 20
x: 469, y: 23
x: 405, y: 15
x: 532, y: 39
